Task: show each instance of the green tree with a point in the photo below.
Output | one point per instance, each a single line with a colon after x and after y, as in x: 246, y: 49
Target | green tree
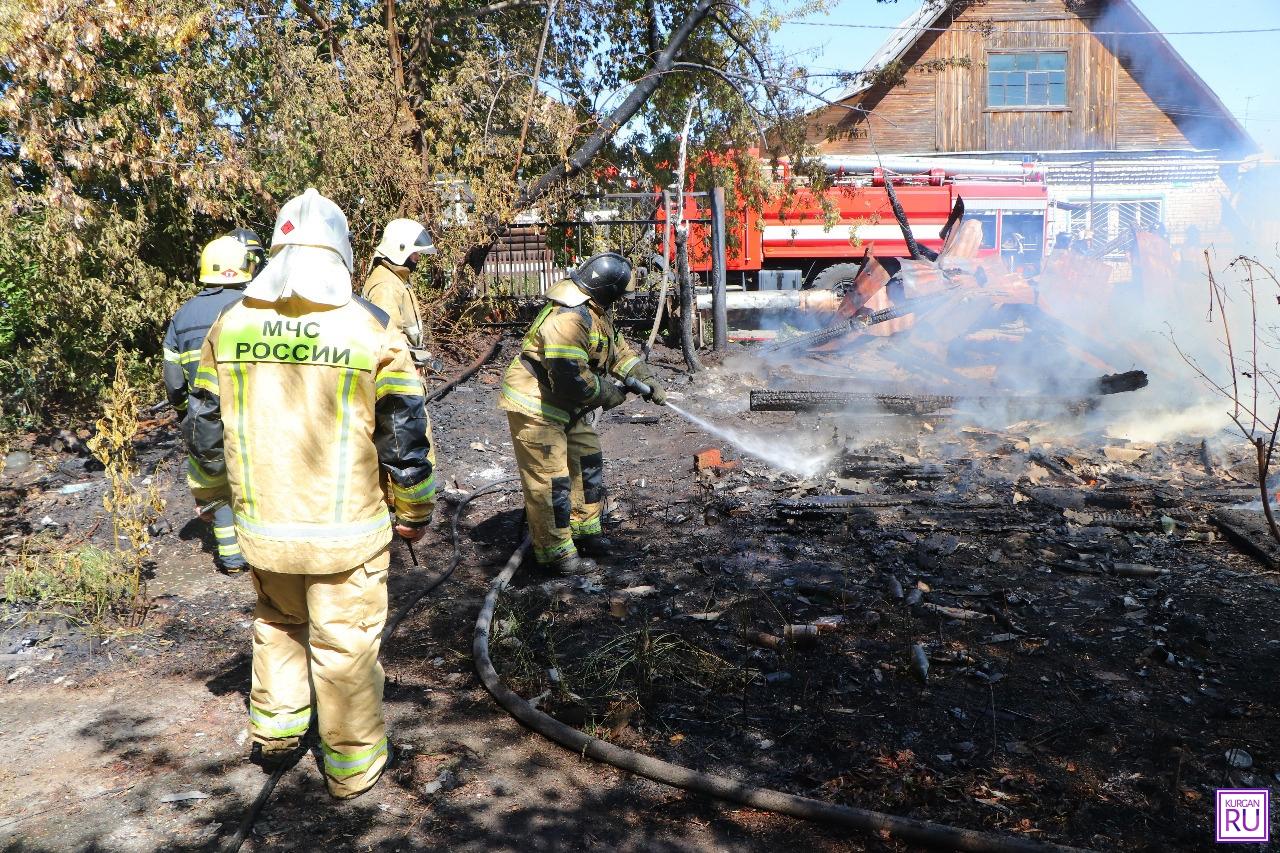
x: 133, y: 132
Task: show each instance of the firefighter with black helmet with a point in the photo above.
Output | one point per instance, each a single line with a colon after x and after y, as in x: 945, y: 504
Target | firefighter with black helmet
x: 252, y: 245
x: 567, y: 365
x: 227, y: 265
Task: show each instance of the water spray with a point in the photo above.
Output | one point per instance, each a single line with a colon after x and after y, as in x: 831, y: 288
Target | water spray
x: 804, y: 464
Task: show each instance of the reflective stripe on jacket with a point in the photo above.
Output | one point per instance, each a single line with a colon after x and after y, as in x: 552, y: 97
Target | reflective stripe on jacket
x: 295, y: 409
x: 185, y: 335
x: 387, y: 287
x: 562, y: 359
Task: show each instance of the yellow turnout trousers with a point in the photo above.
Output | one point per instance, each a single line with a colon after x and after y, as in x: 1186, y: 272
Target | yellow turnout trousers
x: 319, y: 635
x: 562, y: 471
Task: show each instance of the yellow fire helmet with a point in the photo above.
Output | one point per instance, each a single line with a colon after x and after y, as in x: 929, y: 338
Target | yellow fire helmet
x: 225, y: 261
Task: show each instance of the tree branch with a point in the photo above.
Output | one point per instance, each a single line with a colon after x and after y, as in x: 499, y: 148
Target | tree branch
x: 651, y: 11
x: 639, y: 95
x: 491, y: 9
x: 728, y: 31
x: 325, y: 25
x: 729, y: 81
x: 533, y: 87
x: 393, y: 47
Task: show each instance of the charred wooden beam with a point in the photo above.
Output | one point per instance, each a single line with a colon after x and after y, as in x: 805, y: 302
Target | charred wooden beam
x: 836, y: 401
x: 1119, y: 383
x: 803, y: 400
x: 1248, y: 531
x: 867, y: 467
x: 820, y: 505
x: 906, y: 404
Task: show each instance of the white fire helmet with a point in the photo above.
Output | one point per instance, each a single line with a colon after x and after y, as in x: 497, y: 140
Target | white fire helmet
x: 310, y: 254
x: 402, y: 238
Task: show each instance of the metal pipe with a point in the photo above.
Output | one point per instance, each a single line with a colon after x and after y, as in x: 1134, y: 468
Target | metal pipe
x: 952, y: 167
x: 816, y: 300
x: 719, y: 317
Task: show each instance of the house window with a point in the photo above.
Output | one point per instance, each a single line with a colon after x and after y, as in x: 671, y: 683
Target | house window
x: 1034, y: 79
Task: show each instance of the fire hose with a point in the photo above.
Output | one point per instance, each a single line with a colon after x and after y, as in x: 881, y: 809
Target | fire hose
x: 922, y: 832
x: 719, y: 787
x: 467, y: 372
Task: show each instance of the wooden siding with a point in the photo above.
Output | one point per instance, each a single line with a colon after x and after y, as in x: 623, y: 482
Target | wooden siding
x: 1144, y: 125
x: 1107, y: 108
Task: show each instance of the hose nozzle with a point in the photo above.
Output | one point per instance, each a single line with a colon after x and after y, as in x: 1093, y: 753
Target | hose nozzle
x: 635, y: 386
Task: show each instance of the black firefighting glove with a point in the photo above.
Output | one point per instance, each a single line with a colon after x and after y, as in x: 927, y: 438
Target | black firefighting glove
x: 642, y: 372
x: 610, y: 395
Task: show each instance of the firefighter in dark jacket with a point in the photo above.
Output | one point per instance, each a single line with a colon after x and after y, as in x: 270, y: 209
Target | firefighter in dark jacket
x: 566, y: 367
x: 226, y: 266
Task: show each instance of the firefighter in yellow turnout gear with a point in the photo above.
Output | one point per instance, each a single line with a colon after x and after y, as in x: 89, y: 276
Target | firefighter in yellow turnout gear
x: 565, y: 368
x: 394, y: 260
x: 226, y: 265
x: 302, y: 397
x: 396, y: 257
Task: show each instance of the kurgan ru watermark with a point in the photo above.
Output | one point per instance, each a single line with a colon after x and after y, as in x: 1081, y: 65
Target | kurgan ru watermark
x: 1242, y: 816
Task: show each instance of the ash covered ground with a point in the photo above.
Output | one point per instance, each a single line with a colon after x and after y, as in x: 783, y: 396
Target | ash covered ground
x: 1029, y: 627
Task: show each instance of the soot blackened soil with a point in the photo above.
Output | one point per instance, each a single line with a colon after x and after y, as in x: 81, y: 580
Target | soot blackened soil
x: 1087, y: 671
x: 1069, y: 696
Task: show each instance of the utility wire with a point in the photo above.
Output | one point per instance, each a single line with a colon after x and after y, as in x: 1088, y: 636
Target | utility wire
x: 1002, y: 31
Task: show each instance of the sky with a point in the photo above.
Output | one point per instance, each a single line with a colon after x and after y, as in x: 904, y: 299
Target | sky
x: 1244, y: 69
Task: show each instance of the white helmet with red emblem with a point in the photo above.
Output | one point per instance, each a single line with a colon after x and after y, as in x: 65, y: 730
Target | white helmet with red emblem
x: 310, y: 254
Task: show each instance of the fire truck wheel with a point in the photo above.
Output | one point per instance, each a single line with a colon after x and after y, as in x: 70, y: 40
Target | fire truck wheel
x: 838, y: 277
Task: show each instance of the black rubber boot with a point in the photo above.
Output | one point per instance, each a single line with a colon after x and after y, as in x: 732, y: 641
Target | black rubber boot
x: 270, y: 759
x: 572, y: 565
x: 596, y: 545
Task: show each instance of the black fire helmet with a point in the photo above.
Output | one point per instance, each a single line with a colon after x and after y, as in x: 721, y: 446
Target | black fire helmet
x: 252, y: 244
x: 604, y: 277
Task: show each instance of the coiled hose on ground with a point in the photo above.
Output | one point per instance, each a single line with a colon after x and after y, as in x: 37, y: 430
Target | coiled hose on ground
x: 921, y: 832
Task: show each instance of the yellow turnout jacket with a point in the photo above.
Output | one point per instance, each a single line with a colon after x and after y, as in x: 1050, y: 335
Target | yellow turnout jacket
x: 388, y: 288
x: 294, y: 410
x: 562, y: 357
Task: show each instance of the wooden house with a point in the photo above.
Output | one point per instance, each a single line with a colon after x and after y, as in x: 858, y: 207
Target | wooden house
x: 1130, y: 136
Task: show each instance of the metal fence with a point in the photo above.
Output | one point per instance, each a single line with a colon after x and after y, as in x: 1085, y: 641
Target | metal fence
x: 1107, y: 227
x: 530, y: 258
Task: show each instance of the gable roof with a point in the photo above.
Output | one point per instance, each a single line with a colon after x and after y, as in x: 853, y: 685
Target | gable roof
x: 1169, y: 80
x: 901, y: 39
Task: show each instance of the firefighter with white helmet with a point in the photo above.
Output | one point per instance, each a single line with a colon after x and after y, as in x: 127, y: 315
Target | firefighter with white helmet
x: 303, y: 397
x: 227, y: 264
x: 567, y: 363
x: 396, y: 257
x: 403, y: 243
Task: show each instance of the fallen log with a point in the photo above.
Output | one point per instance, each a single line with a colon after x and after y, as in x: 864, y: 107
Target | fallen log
x: 1249, y: 532
x: 909, y: 404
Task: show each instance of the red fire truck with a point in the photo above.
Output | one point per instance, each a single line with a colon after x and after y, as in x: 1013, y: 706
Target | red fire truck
x: 791, y: 244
